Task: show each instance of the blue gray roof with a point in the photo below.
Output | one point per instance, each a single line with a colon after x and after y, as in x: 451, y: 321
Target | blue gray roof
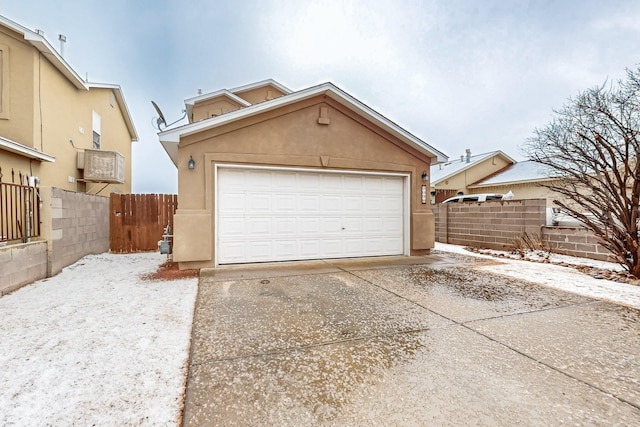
x: 450, y: 168
x: 525, y: 171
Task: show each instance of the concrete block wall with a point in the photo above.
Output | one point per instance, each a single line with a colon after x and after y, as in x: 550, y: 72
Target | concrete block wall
x: 495, y: 225
x: 578, y: 242
x: 79, y: 227
x: 22, y: 264
x: 492, y: 225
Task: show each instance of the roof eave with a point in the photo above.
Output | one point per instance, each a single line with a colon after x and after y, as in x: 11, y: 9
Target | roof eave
x: 174, y: 135
x: 524, y: 181
x: 23, y: 150
x: 117, y: 90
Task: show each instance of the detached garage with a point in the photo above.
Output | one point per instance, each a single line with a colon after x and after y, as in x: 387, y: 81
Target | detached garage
x: 266, y: 174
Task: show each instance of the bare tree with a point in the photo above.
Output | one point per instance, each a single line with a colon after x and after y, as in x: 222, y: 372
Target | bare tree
x: 591, y: 146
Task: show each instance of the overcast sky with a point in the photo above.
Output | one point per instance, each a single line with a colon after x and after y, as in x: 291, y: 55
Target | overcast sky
x: 458, y: 74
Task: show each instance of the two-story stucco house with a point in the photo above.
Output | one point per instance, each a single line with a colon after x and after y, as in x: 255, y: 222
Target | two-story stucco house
x: 69, y: 133
x: 269, y: 174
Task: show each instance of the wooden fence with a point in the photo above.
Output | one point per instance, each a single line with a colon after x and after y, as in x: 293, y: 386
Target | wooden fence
x: 138, y: 221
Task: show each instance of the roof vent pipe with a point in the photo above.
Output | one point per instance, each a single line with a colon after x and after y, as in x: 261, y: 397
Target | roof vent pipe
x: 468, y: 155
x: 461, y: 158
x: 63, y: 40
x: 39, y: 32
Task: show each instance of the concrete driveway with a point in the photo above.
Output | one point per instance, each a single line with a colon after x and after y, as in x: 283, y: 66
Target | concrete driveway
x: 406, y: 341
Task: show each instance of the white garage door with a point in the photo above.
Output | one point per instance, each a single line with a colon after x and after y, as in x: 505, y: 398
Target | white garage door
x: 283, y: 215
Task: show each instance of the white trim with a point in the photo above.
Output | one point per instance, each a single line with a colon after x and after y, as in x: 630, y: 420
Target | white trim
x: 406, y: 199
x: 124, y: 109
x: 40, y: 43
x: 191, y: 101
x: 262, y: 83
x: 23, y: 150
x: 173, y: 136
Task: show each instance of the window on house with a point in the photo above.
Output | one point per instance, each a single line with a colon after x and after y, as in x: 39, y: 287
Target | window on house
x: 96, y: 125
x: 96, y: 140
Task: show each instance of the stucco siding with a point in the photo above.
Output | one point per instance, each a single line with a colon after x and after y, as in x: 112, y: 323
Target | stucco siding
x: 292, y: 137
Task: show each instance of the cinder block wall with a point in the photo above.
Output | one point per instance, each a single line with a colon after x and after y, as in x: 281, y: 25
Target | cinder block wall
x: 492, y: 225
x: 495, y: 225
x: 22, y: 264
x: 75, y: 225
x: 578, y: 242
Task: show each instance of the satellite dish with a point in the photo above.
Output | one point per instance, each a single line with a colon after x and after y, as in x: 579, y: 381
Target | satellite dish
x: 160, y: 121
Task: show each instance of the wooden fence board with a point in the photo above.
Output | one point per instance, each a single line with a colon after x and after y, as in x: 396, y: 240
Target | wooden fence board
x: 138, y: 221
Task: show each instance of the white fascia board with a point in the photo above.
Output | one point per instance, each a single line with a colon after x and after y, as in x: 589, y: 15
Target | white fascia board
x: 23, y: 150
x: 40, y: 43
x: 211, y: 95
x: 262, y: 83
x: 117, y: 90
x: 190, y: 102
x: 471, y: 164
x: 522, y: 181
x: 174, y: 135
x: 172, y: 150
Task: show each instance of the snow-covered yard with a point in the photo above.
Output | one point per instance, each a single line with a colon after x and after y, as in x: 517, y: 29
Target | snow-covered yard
x: 100, y: 345
x: 559, y: 277
x: 96, y: 345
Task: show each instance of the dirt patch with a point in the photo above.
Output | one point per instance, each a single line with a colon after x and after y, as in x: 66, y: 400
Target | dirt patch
x: 170, y: 271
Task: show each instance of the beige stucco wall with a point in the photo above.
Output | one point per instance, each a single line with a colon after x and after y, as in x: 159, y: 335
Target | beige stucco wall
x: 290, y: 136
x: 213, y: 107
x: 46, y: 112
x: 520, y: 191
x: 18, y: 123
x: 460, y: 181
x: 260, y: 94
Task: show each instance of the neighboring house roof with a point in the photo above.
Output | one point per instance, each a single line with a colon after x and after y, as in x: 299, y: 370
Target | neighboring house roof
x: 263, y: 83
x: 121, y: 103
x: 23, y: 150
x: 518, y: 173
x: 445, y: 171
x: 170, y: 138
x: 190, y: 102
x: 39, y: 42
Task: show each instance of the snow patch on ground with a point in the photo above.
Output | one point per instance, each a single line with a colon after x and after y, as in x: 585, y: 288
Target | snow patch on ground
x: 559, y: 277
x: 96, y: 345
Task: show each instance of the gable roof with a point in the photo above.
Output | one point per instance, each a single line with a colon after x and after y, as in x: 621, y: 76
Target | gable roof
x: 42, y: 45
x: 262, y: 83
x: 171, y: 137
x: 190, y: 102
x: 518, y: 173
x: 445, y: 171
x: 39, y: 42
x: 117, y: 90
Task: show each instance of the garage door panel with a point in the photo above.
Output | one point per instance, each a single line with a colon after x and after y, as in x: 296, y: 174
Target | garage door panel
x: 331, y: 203
x: 309, y: 225
x: 277, y: 215
x: 285, y: 225
x: 284, y: 203
x: 331, y: 225
x: 230, y: 227
x: 309, y: 203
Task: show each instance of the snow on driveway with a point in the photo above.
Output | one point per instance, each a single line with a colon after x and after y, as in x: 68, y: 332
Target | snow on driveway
x: 96, y: 345
x: 559, y: 277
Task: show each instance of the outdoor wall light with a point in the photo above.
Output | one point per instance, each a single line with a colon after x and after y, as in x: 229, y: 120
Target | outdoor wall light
x: 425, y: 177
x: 192, y: 163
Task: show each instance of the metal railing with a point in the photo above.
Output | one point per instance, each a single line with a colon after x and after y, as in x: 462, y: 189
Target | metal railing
x: 19, y: 210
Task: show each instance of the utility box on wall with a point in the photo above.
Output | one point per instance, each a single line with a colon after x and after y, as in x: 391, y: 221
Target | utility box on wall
x: 102, y: 166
